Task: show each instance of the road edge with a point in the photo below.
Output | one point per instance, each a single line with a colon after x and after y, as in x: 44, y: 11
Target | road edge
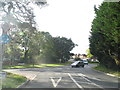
x: 106, y: 73
x: 23, y: 84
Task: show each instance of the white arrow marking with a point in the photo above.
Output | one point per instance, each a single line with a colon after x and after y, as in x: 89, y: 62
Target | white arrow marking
x: 55, y: 83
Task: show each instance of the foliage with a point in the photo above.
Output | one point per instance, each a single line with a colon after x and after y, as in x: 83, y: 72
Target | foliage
x: 18, y: 22
x: 106, y: 70
x: 15, y: 11
x: 88, y: 53
x: 38, y: 47
x: 105, y: 32
x: 62, y: 48
x: 28, y: 45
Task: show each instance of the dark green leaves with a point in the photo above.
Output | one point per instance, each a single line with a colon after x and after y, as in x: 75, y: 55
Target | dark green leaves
x: 105, y: 34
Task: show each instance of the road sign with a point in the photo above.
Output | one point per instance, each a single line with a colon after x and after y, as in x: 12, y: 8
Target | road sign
x: 4, y: 39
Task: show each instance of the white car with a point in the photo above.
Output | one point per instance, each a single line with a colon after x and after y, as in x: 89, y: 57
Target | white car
x: 77, y: 64
x: 85, y: 61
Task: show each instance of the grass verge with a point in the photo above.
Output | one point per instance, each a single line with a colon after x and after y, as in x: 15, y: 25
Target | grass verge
x: 22, y: 66
x: 36, y: 66
x: 106, y: 70
x: 93, y: 63
x: 12, y: 80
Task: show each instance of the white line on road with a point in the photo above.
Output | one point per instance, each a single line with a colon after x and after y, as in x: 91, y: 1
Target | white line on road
x: 33, y: 77
x: 53, y: 81
x: 79, y: 86
x: 82, y: 75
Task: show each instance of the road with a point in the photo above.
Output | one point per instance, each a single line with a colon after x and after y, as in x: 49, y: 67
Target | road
x: 67, y: 77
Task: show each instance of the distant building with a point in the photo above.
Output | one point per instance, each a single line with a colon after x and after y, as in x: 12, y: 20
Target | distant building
x: 82, y: 56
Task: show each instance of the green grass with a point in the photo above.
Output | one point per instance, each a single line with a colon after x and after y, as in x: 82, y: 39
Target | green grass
x: 106, y: 70
x: 52, y: 65
x: 93, y: 63
x: 13, y: 81
x: 24, y: 66
x: 36, y: 66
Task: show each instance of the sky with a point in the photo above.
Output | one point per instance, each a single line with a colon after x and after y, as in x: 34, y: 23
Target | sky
x: 70, y: 19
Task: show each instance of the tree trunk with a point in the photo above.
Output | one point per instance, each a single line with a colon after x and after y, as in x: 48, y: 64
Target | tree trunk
x: 25, y: 56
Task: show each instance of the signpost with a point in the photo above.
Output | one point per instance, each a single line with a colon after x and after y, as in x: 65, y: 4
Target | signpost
x: 4, y: 39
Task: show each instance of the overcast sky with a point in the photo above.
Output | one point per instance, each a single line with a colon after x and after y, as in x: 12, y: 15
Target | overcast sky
x: 70, y: 19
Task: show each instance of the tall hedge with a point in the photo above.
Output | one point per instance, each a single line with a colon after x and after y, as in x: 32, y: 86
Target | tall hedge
x: 105, y: 34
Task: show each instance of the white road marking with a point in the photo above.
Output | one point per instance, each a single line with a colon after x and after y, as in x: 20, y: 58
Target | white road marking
x: 33, y: 77
x: 94, y: 78
x: 53, y: 81
x: 79, y: 86
x: 110, y: 74
x: 82, y: 75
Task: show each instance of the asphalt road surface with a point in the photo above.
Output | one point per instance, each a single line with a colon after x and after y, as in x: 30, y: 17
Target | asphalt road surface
x: 67, y: 77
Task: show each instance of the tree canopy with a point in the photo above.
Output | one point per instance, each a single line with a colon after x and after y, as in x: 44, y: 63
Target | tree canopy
x: 105, y: 34
x: 28, y: 44
x: 40, y: 47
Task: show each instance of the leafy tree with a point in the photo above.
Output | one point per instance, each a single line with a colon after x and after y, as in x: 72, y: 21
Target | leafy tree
x: 88, y: 53
x: 63, y: 46
x: 31, y: 45
x: 105, y: 33
x: 18, y: 10
x: 19, y: 15
x: 47, y: 54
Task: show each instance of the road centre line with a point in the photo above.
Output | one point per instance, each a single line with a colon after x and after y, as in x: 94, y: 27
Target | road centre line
x: 79, y: 86
x: 83, y: 76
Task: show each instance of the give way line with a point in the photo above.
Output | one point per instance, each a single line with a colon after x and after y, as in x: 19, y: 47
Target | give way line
x: 55, y: 83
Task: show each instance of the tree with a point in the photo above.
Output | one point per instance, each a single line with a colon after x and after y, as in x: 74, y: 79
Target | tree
x: 88, y: 53
x: 63, y: 46
x: 35, y: 46
x: 105, y: 33
x: 19, y: 15
x: 21, y: 11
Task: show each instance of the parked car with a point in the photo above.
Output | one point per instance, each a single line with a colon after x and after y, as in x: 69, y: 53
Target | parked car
x: 85, y: 61
x: 78, y: 64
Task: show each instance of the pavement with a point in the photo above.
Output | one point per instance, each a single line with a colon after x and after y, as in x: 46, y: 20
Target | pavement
x: 21, y: 72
